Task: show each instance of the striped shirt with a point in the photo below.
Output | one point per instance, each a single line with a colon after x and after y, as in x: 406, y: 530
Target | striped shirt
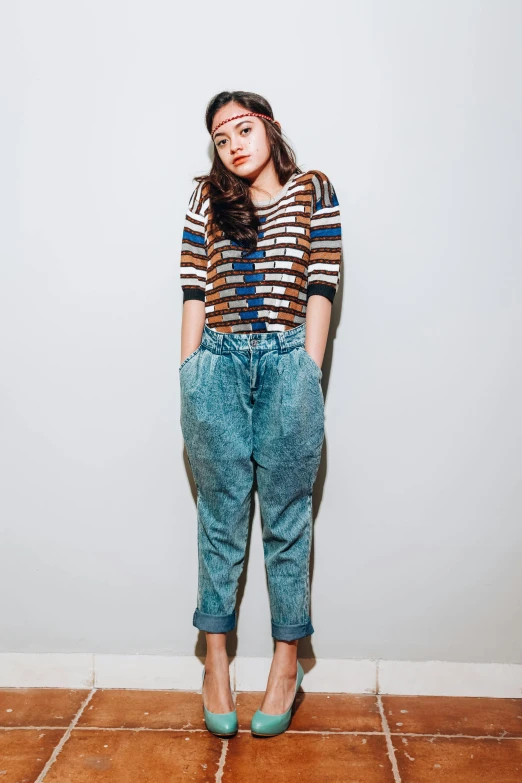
x: 298, y: 254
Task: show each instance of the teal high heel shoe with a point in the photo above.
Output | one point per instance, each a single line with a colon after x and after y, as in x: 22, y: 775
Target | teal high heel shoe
x: 224, y: 724
x: 266, y: 725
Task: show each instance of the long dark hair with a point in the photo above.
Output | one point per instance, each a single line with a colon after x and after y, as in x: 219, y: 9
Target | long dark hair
x: 231, y: 207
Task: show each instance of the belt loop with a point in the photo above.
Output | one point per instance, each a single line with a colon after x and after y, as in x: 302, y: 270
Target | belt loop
x: 282, y: 342
x: 213, y: 339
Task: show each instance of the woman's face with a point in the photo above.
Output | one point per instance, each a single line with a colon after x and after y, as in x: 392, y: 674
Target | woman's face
x: 241, y: 144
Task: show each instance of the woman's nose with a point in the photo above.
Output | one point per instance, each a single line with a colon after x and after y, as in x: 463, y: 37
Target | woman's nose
x: 235, y: 146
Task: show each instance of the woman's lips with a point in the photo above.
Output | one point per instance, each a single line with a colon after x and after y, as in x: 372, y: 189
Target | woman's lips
x: 241, y: 160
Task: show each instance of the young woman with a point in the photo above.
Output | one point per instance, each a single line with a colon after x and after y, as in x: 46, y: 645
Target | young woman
x: 260, y: 266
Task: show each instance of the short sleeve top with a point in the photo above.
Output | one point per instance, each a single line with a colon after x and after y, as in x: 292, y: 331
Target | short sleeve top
x: 298, y: 255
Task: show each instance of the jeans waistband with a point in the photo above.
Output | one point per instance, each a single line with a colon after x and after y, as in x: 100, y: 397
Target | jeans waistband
x: 225, y: 342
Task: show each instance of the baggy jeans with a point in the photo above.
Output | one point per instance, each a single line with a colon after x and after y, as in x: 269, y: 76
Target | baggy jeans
x: 253, y: 400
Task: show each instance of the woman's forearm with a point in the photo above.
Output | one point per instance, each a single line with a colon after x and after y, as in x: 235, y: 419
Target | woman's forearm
x: 318, y: 315
x: 192, y: 323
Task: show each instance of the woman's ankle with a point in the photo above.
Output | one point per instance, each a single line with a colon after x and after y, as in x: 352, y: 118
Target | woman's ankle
x: 217, y: 661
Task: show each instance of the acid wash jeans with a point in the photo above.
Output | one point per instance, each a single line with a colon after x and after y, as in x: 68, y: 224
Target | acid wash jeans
x: 253, y: 400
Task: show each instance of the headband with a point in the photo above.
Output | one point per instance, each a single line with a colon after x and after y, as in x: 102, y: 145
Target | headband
x: 247, y: 114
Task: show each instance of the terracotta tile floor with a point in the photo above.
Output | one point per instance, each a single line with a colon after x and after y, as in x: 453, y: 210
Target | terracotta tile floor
x: 125, y: 736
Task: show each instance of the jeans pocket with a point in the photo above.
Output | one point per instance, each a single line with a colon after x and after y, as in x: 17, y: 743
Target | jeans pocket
x: 189, y: 358
x: 318, y: 371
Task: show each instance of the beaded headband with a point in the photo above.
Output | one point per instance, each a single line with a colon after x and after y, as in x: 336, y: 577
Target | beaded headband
x: 247, y: 114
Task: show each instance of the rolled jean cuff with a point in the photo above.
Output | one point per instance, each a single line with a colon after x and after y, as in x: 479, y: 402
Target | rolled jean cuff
x: 287, y: 633
x: 214, y: 623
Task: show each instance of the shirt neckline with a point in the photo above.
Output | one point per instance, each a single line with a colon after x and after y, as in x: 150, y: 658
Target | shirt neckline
x: 277, y: 196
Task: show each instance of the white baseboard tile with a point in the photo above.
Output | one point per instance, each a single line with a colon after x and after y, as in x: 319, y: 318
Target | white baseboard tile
x: 326, y: 675
x: 450, y: 678
x: 46, y: 670
x: 148, y: 672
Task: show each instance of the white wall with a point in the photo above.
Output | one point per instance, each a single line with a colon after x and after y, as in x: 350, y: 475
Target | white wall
x: 413, y: 109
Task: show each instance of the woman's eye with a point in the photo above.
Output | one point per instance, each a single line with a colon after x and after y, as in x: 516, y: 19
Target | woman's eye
x: 220, y: 143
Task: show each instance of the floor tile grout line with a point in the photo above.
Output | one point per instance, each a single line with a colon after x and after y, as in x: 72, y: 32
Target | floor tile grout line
x: 222, y: 759
x: 291, y: 731
x: 389, y: 743
x: 58, y: 748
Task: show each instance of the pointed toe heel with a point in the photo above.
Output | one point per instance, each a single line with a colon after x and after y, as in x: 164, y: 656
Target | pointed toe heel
x: 222, y: 724
x: 265, y: 725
